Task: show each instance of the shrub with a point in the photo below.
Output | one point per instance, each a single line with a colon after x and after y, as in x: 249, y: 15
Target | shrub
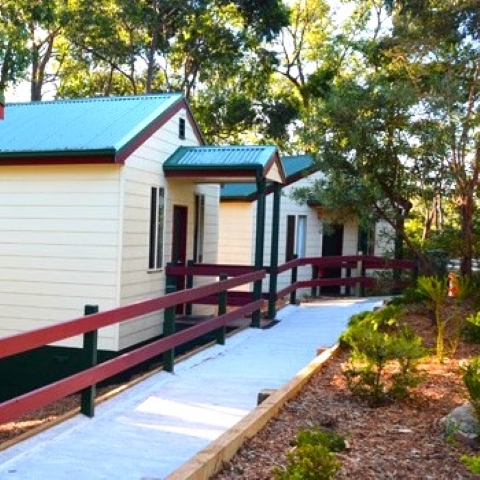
x: 313, y: 456
x: 384, y: 358
x: 471, y: 379
x: 472, y: 462
x: 315, y: 436
x: 409, y: 296
x: 382, y: 319
x: 471, y: 329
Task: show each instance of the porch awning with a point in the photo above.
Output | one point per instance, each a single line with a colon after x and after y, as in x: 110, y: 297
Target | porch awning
x: 294, y: 166
x: 225, y: 164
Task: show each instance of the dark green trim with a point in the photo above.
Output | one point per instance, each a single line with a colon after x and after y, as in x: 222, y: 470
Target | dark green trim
x: 254, y: 167
x: 260, y: 237
x: 57, y: 153
x: 277, y: 190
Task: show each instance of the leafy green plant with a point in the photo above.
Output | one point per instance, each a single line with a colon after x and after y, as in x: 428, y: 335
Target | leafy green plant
x: 382, y: 319
x: 471, y: 379
x: 472, y: 462
x: 382, y: 365
x: 434, y: 290
x: 313, y: 456
x: 315, y: 436
x: 468, y: 287
x: 409, y: 296
x: 471, y: 329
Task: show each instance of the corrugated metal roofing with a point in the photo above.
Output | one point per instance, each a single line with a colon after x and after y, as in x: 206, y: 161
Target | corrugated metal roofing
x: 218, y: 158
x: 296, y: 164
x: 293, y: 166
x: 79, y: 125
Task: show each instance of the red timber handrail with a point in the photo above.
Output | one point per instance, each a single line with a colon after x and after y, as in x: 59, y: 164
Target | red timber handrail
x: 23, y: 342
x: 356, y: 264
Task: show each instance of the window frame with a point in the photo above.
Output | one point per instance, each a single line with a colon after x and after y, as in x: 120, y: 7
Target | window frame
x: 199, y: 229
x: 181, y: 128
x: 156, y: 247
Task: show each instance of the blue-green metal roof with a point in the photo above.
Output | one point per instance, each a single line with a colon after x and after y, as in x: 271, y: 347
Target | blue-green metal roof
x: 101, y: 124
x: 294, y: 166
x: 297, y: 164
x: 220, y: 158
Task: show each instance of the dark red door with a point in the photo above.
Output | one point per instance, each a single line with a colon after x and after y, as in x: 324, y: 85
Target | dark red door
x: 179, y: 243
x: 332, y: 246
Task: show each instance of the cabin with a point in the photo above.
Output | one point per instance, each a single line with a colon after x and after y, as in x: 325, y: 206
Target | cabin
x: 300, y: 229
x: 82, y: 208
x: 98, y: 195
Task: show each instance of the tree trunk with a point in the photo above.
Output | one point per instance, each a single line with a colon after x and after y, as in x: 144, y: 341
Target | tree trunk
x: 466, y: 214
x: 152, y: 48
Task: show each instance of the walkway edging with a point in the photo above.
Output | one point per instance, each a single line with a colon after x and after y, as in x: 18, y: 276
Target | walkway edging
x: 211, y: 459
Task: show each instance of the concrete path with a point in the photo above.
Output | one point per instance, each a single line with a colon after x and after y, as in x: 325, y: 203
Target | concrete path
x: 153, y: 428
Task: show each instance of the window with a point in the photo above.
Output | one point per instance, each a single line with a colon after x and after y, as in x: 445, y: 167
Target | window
x: 296, y: 241
x: 301, y: 240
x: 290, y: 245
x: 157, y: 216
x: 181, y: 128
x: 199, y: 228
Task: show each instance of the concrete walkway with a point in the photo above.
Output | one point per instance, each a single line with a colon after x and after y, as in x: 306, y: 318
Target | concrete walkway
x: 153, y: 428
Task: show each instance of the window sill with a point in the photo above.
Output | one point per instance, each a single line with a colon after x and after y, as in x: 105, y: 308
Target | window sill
x: 155, y: 270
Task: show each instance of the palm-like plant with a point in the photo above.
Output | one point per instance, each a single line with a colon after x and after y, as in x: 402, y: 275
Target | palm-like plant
x: 434, y: 290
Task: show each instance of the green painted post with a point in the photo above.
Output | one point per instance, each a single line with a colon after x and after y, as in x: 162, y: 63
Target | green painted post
x: 169, y: 329
x: 222, y: 309
x: 90, y: 346
x: 260, y: 234
x: 313, y: 291
x: 293, y: 295
x: 272, y: 293
x: 189, y: 284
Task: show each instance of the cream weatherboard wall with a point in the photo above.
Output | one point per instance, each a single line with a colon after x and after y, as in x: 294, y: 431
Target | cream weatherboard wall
x: 144, y: 170
x: 236, y: 238
x: 59, y: 244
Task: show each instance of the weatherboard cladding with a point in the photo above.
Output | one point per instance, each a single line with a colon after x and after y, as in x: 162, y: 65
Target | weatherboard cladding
x: 79, y: 125
x: 226, y: 157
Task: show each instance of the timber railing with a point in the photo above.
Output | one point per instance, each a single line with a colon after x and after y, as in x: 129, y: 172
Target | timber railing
x: 85, y: 381
x: 220, y: 293
x: 355, y: 277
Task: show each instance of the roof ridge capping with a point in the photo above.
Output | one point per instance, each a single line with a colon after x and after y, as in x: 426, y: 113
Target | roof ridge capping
x: 112, y: 98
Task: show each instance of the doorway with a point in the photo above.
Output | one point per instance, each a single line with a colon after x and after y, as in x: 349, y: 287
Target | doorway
x: 332, y: 245
x: 179, y: 245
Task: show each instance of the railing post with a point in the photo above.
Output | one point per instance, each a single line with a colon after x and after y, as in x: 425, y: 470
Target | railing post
x: 314, y: 290
x: 272, y: 292
x: 90, y: 343
x: 293, y: 295
x: 169, y: 329
x: 360, y: 287
x: 189, y: 284
x: 259, y: 240
x: 348, y: 288
x: 222, y: 309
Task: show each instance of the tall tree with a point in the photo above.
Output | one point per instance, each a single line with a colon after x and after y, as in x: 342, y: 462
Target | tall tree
x: 445, y: 69
x: 401, y: 123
